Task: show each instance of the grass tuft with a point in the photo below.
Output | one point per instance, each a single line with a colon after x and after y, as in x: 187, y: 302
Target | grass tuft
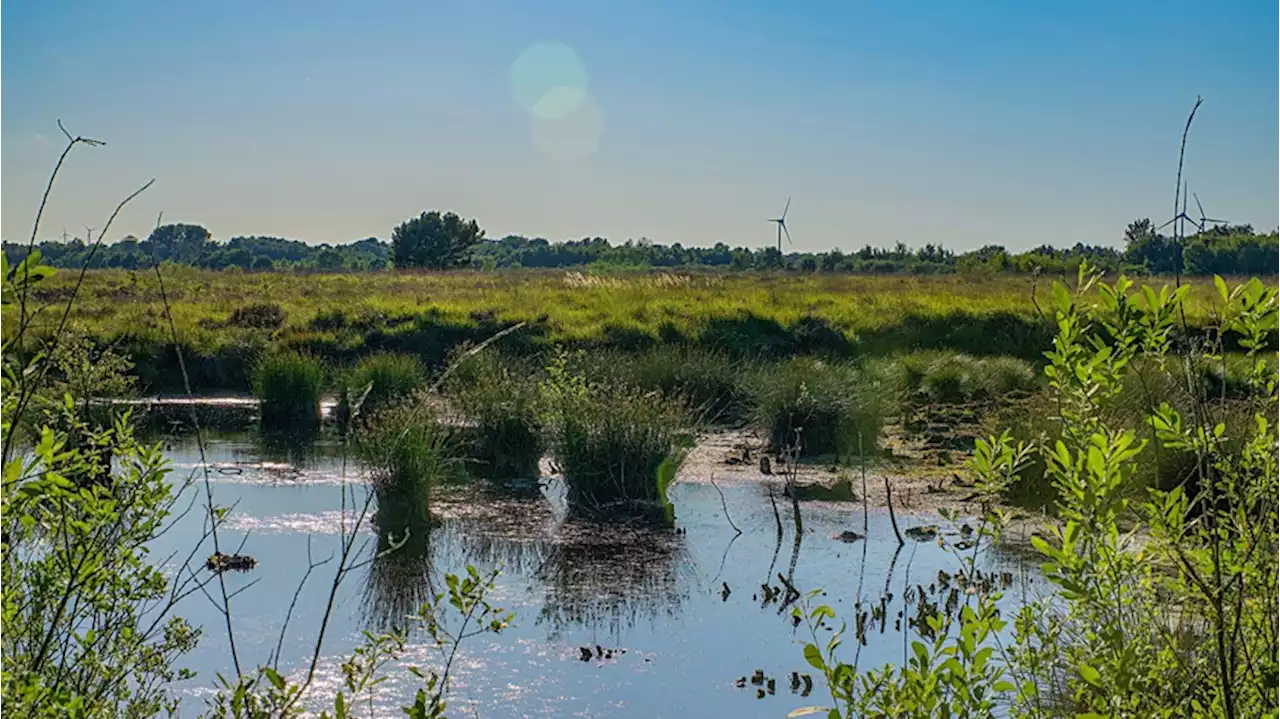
x: 824, y: 407
x: 288, y: 386
x: 409, y: 451
x: 501, y: 396
x: 616, y: 444
x: 954, y: 377
x: 387, y: 375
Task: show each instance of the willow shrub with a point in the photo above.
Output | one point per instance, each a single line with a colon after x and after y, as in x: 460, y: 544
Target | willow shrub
x: 1172, y: 616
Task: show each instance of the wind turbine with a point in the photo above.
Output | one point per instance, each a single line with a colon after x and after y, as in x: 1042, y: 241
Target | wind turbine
x: 1204, y: 221
x: 1180, y: 229
x: 782, y: 226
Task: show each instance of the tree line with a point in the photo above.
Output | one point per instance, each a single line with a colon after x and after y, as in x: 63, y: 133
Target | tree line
x: 436, y: 240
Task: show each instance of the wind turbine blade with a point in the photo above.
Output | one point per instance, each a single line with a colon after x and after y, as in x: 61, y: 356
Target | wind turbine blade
x: 1170, y: 222
x: 784, y: 229
x: 1198, y: 205
x: 788, y: 207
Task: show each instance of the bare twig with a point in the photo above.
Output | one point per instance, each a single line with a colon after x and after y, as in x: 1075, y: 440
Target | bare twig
x: 1177, y: 192
x: 210, y: 508
x: 888, y: 497
x: 725, y: 505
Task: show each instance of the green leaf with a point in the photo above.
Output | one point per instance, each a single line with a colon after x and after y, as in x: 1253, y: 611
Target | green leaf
x: 814, y: 656
x: 274, y: 677
x: 1222, y: 287
x: 1091, y: 675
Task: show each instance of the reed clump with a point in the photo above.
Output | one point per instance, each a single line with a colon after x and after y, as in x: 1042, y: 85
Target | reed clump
x: 408, y: 451
x: 500, y: 397
x: 378, y: 380
x: 955, y: 377
x: 617, y: 445
x: 288, y: 387
x: 820, y: 407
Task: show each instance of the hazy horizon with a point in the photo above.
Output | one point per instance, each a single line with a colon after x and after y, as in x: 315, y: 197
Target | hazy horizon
x: 1022, y: 125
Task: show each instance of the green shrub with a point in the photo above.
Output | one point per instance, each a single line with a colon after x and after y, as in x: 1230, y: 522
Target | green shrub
x: 828, y: 408
x: 615, y: 443
x: 1141, y: 393
x: 501, y: 397
x: 387, y: 375
x: 288, y: 386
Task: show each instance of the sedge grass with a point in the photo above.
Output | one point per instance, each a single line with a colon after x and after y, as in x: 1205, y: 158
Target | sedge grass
x: 288, y: 386
x: 820, y: 407
x: 616, y: 444
x: 500, y: 396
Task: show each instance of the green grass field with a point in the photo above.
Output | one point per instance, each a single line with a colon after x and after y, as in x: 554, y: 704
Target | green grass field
x: 225, y: 320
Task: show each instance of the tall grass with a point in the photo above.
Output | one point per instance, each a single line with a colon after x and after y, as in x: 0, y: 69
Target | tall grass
x: 824, y: 408
x: 709, y: 382
x: 409, y: 451
x: 386, y: 375
x: 616, y: 444
x: 954, y: 377
x: 501, y: 397
x: 288, y: 385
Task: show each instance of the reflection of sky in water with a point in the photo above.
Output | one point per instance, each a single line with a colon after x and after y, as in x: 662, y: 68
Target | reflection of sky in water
x: 571, y: 584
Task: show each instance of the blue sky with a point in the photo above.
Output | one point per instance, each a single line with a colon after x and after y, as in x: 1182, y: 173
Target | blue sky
x: 1018, y: 123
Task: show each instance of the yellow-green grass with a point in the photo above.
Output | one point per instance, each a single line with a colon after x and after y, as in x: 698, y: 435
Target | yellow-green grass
x: 343, y: 317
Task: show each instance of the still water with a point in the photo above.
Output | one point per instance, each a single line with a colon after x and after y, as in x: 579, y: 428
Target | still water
x: 657, y: 593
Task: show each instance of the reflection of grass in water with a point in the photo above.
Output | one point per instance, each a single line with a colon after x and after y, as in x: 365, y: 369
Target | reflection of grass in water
x: 295, y: 447
x: 399, y: 578
x: 474, y: 525
x: 611, y: 577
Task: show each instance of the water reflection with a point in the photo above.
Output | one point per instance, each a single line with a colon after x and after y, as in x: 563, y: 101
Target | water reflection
x: 609, y: 576
x: 686, y: 603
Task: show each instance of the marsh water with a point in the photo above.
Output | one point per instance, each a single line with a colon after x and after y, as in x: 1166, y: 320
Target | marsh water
x: 656, y: 592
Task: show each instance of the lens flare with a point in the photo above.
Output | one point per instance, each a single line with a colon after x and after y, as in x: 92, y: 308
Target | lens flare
x: 573, y: 137
x: 549, y: 80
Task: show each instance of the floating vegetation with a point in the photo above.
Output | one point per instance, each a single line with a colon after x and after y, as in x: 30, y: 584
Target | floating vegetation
x: 922, y: 533
x: 219, y: 562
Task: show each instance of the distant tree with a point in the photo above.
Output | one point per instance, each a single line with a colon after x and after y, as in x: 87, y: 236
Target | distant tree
x: 434, y: 241
x: 1143, y: 246
x: 832, y: 260
x: 769, y: 259
x: 329, y: 260
x: 181, y: 243
x: 262, y: 262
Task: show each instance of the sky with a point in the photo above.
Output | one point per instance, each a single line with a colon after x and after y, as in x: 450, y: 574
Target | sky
x: 963, y: 124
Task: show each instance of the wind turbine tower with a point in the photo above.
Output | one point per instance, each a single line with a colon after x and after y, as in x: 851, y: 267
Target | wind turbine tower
x: 781, y: 222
